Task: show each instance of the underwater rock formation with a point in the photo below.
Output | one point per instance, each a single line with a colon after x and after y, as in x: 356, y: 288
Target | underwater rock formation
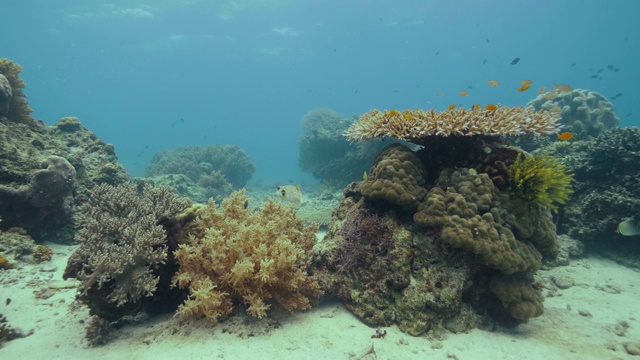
x: 326, y: 154
x: 462, y: 253
x: 201, y: 173
x: 607, y: 187
x: 74, y: 152
x: 584, y: 113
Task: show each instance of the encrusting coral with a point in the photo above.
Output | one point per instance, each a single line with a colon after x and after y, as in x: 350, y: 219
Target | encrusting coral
x: 122, y: 246
x: 237, y: 257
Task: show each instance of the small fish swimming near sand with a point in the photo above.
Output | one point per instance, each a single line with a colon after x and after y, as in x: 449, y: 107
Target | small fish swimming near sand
x: 291, y: 194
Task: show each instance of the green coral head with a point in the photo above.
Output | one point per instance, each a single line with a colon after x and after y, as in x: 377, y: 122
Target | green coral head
x: 541, y: 178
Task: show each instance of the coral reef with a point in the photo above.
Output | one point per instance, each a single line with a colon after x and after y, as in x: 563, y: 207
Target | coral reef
x: 13, y: 102
x: 22, y: 150
x: 236, y: 257
x: 8, y: 333
x: 583, y: 112
x: 230, y: 162
x: 16, y: 243
x: 326, y: 154
x: 541, y: 178
x: 463, y: 252
x: 43, y: 197
x: 124, y: 250
x: 607, y: 188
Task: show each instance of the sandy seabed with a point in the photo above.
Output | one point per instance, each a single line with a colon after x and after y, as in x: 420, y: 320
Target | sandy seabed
x: 592, y: 311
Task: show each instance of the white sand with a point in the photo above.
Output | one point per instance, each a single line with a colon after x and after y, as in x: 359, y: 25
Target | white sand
x: 610, y: 293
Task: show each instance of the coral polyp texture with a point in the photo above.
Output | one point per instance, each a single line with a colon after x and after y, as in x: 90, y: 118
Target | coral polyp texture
x: 413, y: 125
x: 236, y: 257
x: 582, y: 112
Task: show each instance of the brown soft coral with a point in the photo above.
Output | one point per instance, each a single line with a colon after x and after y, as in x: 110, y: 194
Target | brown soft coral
x: 469, y: 213
x: 396, y: 177
x: 253, y: 258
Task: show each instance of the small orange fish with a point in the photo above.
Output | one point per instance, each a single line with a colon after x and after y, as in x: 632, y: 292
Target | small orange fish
x: 562, y: 88
x: 491, y: 107
x: 526, y: 82
x: 476, y: 107
x: 524, y: 87
x: 551, y: 95
x: 392, y: 113
x: 463, y: 93
x: 542, y: 90
x: 493, y: 83
x: 565, y: 136
x: 452, y: 106
x: 441, y: 94
x: 408, y: 116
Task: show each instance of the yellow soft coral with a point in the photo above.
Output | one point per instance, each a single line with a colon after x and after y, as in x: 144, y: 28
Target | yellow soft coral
x: 238, y: 256
x: 541, y: 178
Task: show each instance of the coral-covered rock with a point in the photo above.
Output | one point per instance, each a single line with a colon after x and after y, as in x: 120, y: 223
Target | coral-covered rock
x: 396, y: 177
x: 583, y: 112
x: 5, y: 95
x: 22, y: 150
x: 235, y: 256
x: 18, y: 110
x: 326, y: 154
x: 124, y: 249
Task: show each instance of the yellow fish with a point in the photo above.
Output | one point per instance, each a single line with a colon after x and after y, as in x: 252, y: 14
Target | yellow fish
x: 364, y: 176
x: 291, y: 194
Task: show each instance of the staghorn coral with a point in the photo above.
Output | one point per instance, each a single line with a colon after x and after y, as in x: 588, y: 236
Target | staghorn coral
x: 238, y: 257
x: 541, y: 178
x: 396, y: 177
x: 416, y: 125
x: 122, y: 246
x: 18, y: 108
x: 583, y: 112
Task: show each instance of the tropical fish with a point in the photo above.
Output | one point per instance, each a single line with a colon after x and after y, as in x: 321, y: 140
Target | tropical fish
x: 542, y: 90
x: 441, y: 94
x: 463, y: 93
x: 392, y: 113
x: 525, y: 85
x: 408, y: 116
x: 515, y: 61
x: 491, y: 107
x: 565, y: 136
x: 628, y: 227
x: 364, y: 176
x: 451, y: 106
x: 493, y: 83
x: 476, y: 107
x: 551, y: 95
x: 562, y: 88
x: 291, y: 194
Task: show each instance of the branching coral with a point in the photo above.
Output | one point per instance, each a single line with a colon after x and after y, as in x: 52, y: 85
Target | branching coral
x: 253, y: 259
x: 121, y: 243
x: 542, y: 179
x: 414, y: 125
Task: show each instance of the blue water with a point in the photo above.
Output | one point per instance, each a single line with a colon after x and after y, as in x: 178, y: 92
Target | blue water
x: 163, y: 74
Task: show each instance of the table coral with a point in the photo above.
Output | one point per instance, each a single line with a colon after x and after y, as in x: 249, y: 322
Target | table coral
x: 235, y: 256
